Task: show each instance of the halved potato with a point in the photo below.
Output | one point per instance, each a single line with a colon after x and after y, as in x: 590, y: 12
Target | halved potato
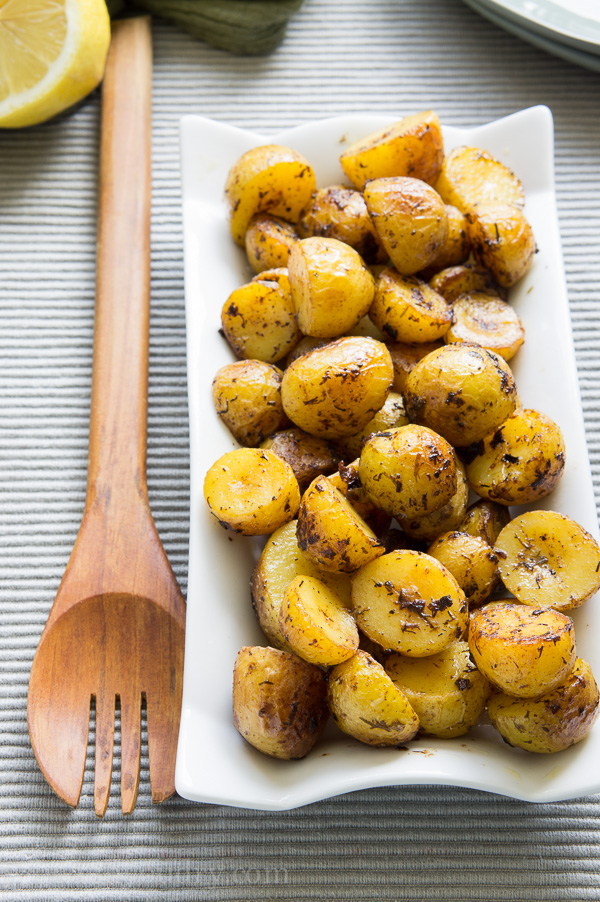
x: 444, y: 519
x: 413, y: 146
x: 548, y: 561
x: 552, y: 722
x: 488, y: 321
x: 315, y: 624
x: 331, y: 533
x: 279, y: 701
x: 367, y: 705
x: 446, y: 691
x: 259, y: 321
x: 247, y: 398
x: 408, y: 602
x: 470, y: 176
x: 278, y: 274
x: 471, y: 562
x: 406, y: 356
x: 408, y: 310
x: 307, y: 455
x: 485, y: 519
x: 410, y: 219
x: 391, y: 415
x: 251, y: 491
x: 347, y: 481
x: 524, y: 651
x: 457, y: 280
x: 269, y: 241
x: 340, y: 212
x: 270, y: 177
x: 502, y: 240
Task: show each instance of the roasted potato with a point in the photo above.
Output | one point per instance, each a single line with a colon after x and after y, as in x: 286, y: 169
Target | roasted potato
x: 367, y: 705
x: 446, y: 691
x: 279, y: 701
x: 470, y: 176
x: 335, y: 390
x: 251, y: 491
x: 247, y: 398
x: 269, y: 241
x: 410, y: 220
x: 406, y: 356
x: 455, y: 249
x: 485, y: 519
x: 408, y: 310
x: 304, y: 346
x: 391, y: 415
x: 331, y: 533
x: 307, y: 455
x: 332, y: 289
x: 269, y: 178
x: 259, y: 321
x: 408, y: 602
x: 279, y: 563
x: 347, y: 481
x: 548, y: 561
x: 471, y: 562
x: 523, y: 651
x: 502, y: 240
x: 480, y: 318
x: 409, y: 471
x: 413, y: 146
x: 552, y: 722
x: 340, y: 212
x: 457, y: 280
x: 519, y: 462
x: 315, y: 623
x: 279, y: 275
x: 461, y: 391
x: 444, y: 519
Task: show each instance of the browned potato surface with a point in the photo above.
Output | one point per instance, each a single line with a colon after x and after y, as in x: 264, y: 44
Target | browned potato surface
x: 366, y: 704
x: 247, y: 398
x: 480, y: 318
x: 502, y: 240
x: 307, y: 455
x: 406, y: 356
x: 335, y: 390
x: 413, y: 146
x: 391, y: 415
x: 524, y: 651
x: 456, y: 247
x: 340, y: 212
x: 347, y: 481
x: 279, y: 701
x: 470, y: 176
x: 251, y: 491
x: 315, y: 623
x: 471, y: 562
x: 457, y: 280
x: 269, y: 241
x: 408, y: 310
x: 410, y: 220
x: 485, y: 519
x: 554, y: 721
x: 444, y: 519
x: 259, y: 321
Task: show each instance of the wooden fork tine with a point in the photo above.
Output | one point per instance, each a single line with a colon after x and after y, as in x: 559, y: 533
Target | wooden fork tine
x: 105, y: 733
x: 162, y: 743
x: 131, y: 715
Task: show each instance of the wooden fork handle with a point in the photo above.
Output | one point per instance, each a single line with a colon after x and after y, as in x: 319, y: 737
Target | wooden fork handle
x: 117, y: 450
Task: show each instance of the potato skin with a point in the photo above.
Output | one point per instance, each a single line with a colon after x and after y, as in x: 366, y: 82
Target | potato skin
x: 525, y: 652
x: 279, y: 701
x: 456, y: 247
x: 340, y: 212
x: 247, y: 398
x: 335, y: 390
x: 445, y: 518
x: 485, y: 519
x: 502, y: 240
x: 552, y: 722
x: 307, y: 455
x: 388, y: 417
x: 471, y: 562
x: 269, y: 241
x: 406, y: 356
x: 408, y: 310
x: 461, y: 391
x: 259, y: 321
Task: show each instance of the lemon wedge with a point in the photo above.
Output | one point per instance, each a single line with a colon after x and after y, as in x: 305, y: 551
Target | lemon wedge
x: 52, y: 53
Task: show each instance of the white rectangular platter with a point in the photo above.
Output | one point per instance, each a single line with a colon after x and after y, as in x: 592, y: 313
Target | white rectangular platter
x: 214, y: 764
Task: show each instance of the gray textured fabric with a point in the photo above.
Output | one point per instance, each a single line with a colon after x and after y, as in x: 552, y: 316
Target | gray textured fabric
x: 387, y: 844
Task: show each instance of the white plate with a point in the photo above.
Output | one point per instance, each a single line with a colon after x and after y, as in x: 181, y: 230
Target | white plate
x: 572, y: 22
x: 565, y: 51
x: 214, y: 764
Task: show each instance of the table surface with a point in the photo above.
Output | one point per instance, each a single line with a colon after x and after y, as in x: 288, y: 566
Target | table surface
x: 426, y: 843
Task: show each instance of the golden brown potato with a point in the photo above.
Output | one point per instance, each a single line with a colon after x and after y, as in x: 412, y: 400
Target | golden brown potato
x: 523, y: 651
x: 339, y: 212
x: 471, y: 562
x: 304, y: 346
x: 259, y: 321
x: 332, y: 289
x: 552, y: 722
x: 366, y: 704
x: 455, y: 249
x: 444, y: 519
x: 315, y: 623
x: 347, y: 481
x: 470, y: 176
x: 279, y: 275
x: 461, y: 391
x: 279, y: 701
x: 408, y: 602
x: 247, y: 398
x: 269, y: 241
x: 251, y: 491
x: 307, y: 455
x: 408, y: 310
x: 409, y: 471
x: 480, y: 318
x: 457, y: 280
x: 331, y: 533
x: 548, y: 561
x: 280, y: 562
x: 410, y: 219
x: 519, y: 462
x: 391, y: 415
x: 269, y: 178
x: 502, y: 240
x: 405, y: 357
x: 446, y: 691
x: 365, y: 327
x: 335, y: 390
x: 413, y: 146
x: 485, y: 519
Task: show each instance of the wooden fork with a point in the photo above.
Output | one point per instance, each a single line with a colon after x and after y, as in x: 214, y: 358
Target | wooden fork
x: 116, y: 628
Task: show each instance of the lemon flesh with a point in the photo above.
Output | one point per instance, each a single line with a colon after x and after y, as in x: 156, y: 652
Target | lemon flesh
x: 52, y: 54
